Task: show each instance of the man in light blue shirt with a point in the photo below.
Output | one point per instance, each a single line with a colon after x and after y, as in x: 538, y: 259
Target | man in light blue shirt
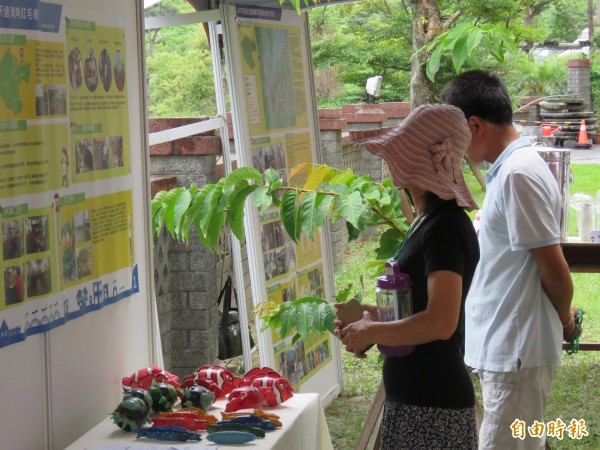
x: 518, y: 308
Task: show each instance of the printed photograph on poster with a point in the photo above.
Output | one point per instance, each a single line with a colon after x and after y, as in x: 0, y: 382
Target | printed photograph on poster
x: 105, y: 69
x: 273, y: 235
x: 74, y: 68
x: 90, y: 70
x: 37, y: 238
x: 119, y: 69
x: 279, y: 262
x: 99, y: 153
x: 50, y: 100
x: 13, y: 285
x: 288, y: 294
x: 310, y: 282
x: 67, y: 250
x: 268, y: 157
x: 39, y: 277
x: 12, y: 239
x: 297, y: 365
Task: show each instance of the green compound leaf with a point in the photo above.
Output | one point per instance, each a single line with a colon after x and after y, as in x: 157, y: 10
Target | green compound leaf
x: 213, y: 233
x: 307, y: 213
x: 305, y: 317
x: 288, y: 213
x: 288, y: 321
x: 240, y: 174
x: 351, y: 207
x: 271, y: 176
x: 389, y: 242
x: 192, y: 213
x: 262, y: 199
x: 235, y: 213
x: 213, y: 194
x: 170, y: 202
x: 323, y: 204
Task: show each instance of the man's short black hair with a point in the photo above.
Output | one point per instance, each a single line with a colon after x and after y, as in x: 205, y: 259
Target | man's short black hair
x: 482, y: 94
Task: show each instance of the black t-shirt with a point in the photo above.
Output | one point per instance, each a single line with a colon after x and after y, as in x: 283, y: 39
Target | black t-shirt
x: 435, y: 374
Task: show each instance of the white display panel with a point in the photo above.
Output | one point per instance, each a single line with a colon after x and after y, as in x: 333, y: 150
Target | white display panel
x: 81, y: 329
x: 275, y: 126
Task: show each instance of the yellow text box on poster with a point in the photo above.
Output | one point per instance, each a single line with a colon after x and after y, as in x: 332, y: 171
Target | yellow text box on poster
x: 30, y: 160
x: 96, y: 237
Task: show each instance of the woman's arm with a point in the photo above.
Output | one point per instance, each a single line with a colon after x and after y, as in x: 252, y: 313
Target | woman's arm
x: 437, y: 322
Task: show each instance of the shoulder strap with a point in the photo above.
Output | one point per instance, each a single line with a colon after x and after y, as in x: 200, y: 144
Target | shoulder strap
x: 225, y: 295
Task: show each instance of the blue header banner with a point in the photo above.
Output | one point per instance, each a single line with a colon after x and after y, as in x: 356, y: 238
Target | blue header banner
x: 258, y: 12
x: 51, y: 14
x: 30, y: 15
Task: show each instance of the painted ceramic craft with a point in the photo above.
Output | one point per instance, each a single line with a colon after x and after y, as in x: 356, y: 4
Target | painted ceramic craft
x: 170, y: 433
x: 231, y: 437
x: 274, y: 388
x: 219, y: 375
x: 245, y: 397
x: 143, y: 378
x: 131, y: 414
x: 163, y: 396
x: 196, y: 396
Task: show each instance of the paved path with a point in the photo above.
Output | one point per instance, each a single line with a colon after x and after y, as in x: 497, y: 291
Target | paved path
x: 591, y: 156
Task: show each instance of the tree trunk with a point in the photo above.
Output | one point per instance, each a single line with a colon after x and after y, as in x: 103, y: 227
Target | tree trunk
x: 427, y: 24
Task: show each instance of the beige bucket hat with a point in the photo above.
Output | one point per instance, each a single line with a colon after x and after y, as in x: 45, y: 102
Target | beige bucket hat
x: 425, y: 150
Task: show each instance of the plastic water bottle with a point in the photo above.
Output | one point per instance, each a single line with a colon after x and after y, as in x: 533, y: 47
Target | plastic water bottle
x: 394, y: 302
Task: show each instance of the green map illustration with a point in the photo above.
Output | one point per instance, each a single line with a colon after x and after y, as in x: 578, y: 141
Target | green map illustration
x: 248, y: 48
x: 275, y: 63
x: 12, y: 73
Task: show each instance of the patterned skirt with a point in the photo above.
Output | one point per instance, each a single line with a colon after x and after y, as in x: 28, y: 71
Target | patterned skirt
x: 423, y: 427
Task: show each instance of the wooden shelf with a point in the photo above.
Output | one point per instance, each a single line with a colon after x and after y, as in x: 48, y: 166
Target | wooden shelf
x: 582, y: 256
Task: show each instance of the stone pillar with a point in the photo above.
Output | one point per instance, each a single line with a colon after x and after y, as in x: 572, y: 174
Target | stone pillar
x: 331, y: 125
x: 578, y: 80
x: 193, y: 315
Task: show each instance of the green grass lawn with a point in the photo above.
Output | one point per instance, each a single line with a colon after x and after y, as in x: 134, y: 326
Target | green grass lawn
x: 576, y: 392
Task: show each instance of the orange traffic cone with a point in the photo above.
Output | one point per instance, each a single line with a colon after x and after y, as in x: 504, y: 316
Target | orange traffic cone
x: 583, y: 142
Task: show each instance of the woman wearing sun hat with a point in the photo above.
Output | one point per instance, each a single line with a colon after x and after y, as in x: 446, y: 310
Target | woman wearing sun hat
x: 429, y: 394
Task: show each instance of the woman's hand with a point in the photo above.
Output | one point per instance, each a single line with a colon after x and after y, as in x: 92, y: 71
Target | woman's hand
x: 355, y: 336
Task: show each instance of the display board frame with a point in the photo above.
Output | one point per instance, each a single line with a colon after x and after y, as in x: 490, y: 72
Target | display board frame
x: 280, y: 138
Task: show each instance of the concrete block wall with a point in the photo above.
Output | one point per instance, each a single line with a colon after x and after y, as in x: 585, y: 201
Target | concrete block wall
x: 578, y: 79
x: 185, y: 275
x: 190, y: 338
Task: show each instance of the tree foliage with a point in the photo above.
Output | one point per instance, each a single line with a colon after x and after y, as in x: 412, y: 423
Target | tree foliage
x: 179, y: 68
x: 327, y: 195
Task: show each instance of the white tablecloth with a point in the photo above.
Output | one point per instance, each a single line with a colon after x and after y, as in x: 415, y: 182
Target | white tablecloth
x: 304, y: 428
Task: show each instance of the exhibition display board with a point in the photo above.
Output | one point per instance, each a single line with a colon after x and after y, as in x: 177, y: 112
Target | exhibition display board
x: 275, y: 126
x: 76, y: 311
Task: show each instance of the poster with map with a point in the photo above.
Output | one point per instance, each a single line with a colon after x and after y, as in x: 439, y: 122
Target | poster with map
x: 278, y: 131
x: 66, y: 202
x: 274, y: 77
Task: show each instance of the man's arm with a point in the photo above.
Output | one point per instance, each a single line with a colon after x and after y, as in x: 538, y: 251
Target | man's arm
x: 556, y: 280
